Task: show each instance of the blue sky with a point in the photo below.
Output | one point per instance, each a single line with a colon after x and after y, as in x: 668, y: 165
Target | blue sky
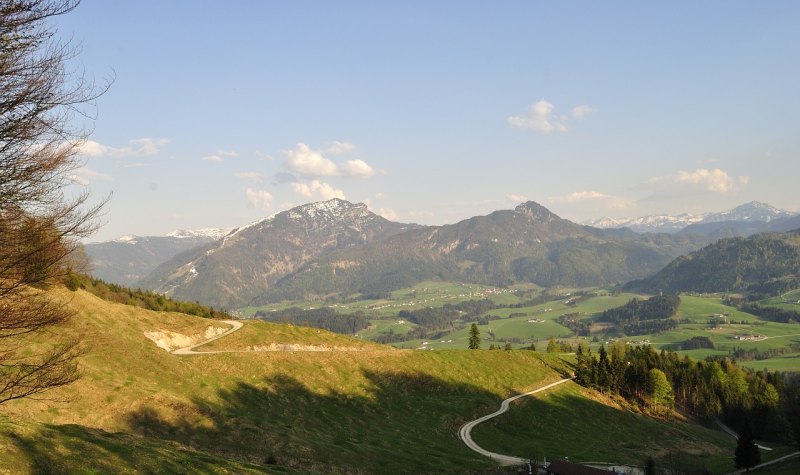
x: 225, y: 112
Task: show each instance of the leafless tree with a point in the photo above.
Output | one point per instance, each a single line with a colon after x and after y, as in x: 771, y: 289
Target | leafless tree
x: 43, y: 105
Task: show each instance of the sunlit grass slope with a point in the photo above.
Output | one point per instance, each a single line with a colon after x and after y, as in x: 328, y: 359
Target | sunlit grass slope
x: 571, y: 421
x: 379, y: 410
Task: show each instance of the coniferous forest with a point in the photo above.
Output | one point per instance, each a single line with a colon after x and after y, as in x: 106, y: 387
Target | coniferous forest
x: 662, y: 382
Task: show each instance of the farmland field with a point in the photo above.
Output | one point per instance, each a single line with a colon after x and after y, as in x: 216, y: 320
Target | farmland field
x: 709, y: 316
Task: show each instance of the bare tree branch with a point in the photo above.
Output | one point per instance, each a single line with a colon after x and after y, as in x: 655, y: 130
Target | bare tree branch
x: 41, y: 105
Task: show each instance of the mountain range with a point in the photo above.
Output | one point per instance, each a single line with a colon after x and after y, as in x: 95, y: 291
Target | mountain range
x: 337, y: 247
x: 757, y: 214
x: 236, y: 269
x: 128, y: 259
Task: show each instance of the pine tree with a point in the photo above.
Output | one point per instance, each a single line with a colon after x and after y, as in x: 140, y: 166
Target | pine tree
x: 603, y: 370
x: 747, y: 455
x: 650, y: 466
x: 581, y: 368
x: 474, y: 337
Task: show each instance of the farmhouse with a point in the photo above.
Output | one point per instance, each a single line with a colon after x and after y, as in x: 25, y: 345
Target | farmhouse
x: 638, y: 342
x: 750, y: 337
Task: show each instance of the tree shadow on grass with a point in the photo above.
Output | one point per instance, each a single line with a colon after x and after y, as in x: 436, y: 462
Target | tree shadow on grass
x: 567, y: 423
x: 397, y: 423
x: 69, y: 448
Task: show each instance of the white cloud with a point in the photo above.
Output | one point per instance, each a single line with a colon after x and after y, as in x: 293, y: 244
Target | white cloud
x: 357, y: 168
x: 221, y: 155
x: 263, y: 156
x: 517, y: 198
x: 713, y: 180
x: 541, y: 118
x: 317, y: 190
x: 85, y: 175
x: 338, y: 148
x: 78, y: 180
x: 389, y: 214
x: 306, y: 161
x: 140, y: 148
x: 577, y: 196
x: 253, y: 177
x: 582, y: 112
x: 259, y: 199
x: 595, y: 197
x: 90, y: 148
x: 143, y: 147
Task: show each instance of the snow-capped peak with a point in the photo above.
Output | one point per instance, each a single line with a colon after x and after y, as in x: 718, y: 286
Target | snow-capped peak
x: 654, y: 223
x: 213, y: 233
x: 748, y: 212
x: 332, y: 210
x: 128, y: 239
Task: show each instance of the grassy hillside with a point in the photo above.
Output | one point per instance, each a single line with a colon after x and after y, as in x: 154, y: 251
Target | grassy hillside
x: 368, y: 411
x: 70, y: 448
x: 373, y: 410
x: 729, y: 265
x: 571, y: 421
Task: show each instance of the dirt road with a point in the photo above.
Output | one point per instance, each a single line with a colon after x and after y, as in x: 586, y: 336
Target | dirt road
x: 189, y: 350
x: 466, y: 429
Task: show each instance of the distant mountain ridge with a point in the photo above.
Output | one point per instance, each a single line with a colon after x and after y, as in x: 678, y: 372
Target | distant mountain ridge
x: 729, y: 265
x: 526, y: 244
x: 232, y: 271
x: 754, y: 211
x: 337, y: 247
x: 211, y: 233
x: 128, y: 259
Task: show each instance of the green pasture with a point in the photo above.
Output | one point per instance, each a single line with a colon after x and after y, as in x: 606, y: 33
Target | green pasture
x: 571, y: 421
x: 378, y: 327
x: 424, y: 294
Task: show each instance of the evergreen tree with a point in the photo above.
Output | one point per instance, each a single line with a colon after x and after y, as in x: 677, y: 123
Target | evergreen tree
x: 508, y: 346
x: 747, y: 455
x: 650, y: 466
x: 474, y: 337
x: 582, y: 367
x: 603, y: 370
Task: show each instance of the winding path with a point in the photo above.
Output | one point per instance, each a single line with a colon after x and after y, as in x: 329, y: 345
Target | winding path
x: 733, y: 433
x: 189, y: 350
x: 766, y: 464
x: 465, y: 430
